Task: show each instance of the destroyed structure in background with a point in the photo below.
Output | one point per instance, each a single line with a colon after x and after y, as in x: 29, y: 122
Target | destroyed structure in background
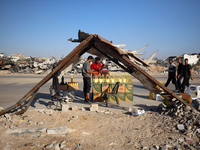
x: 18, y: 63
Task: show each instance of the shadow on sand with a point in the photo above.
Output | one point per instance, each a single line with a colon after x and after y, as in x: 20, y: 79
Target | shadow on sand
x: 44, y: 98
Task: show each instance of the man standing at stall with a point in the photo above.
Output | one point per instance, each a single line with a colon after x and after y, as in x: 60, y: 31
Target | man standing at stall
x: 96, y: 66
x: 86, y: 73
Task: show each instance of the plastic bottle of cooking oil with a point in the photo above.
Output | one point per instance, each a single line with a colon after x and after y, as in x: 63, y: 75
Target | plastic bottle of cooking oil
x: 116, y: 78
x: 107, y: 79
x: 130, y: 79
x: 95, y: 79
x: 72, y: 78
x: 112, y: 80
x: 120, y: 79
x: 124, y: 79
x: 104, y: 79
x: 100, y: 79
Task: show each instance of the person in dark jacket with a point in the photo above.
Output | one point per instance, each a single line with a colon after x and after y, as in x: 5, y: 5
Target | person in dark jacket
x: 187, y: 74
x: 180, y: 68
x: 171, y: 74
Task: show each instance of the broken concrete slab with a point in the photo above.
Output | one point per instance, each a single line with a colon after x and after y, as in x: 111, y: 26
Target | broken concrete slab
x: 94, y: 107
x: 21, y: 131
x: 8, y: 116
x: 180, y: 127
x: 48, y: 146
x: 56, y: 146
x: 59, y: 130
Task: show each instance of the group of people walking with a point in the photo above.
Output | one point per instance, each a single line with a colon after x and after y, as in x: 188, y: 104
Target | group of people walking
x: 89, y: 71
x: 183, y: 71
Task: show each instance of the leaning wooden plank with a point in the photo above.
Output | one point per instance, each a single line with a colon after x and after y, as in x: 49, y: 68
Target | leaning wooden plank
x: 28, y: 104
x: 65, y: 62
x: 171, y: 94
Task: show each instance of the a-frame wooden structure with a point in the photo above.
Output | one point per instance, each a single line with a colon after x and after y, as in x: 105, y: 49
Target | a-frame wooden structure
x: 97, y: 45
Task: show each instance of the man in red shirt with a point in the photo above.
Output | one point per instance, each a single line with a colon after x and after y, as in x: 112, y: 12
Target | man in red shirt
x: 96, y: 66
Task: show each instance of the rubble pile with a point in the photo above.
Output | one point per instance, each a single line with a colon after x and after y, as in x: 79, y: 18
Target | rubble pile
x: 156, y: 69
x: 186, y: 120
x: 28, y: 65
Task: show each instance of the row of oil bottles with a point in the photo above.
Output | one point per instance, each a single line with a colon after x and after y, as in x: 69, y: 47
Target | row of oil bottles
x: 113, y: 79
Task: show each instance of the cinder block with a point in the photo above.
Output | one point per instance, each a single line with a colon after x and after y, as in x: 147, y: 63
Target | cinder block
x: 65, y: 107
x: 94, y: 107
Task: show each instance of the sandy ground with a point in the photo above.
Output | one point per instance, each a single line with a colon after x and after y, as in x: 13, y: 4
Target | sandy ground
x: 111, y: 127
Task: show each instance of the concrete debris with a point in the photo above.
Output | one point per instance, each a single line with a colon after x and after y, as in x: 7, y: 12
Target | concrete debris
x: 75, y: 116
x: 144, y: 147
x: 59, y: 130
x: 56, y: 147
x: 49, y: 146
x: 62, y: 144
x: 84, y: 133
x: 41, y: 122
x: 20, y: 131
x: 94, y: 107
x: 8, y: 116
x: 65, y: 107
x: 130, y: 109
x: 180, y: 127
x: 180, y: 140
x: 166, y: 147
x: 156, y: 147
x: 83, y: 109
x: 112, y: 143
x: 17, y: 63
x: 74, y: 108
x: 187, y: 119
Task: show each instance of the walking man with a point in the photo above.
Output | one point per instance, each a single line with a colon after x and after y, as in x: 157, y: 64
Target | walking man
x: 171, y: 74
x: 86, y: 73
x: 187, y: 74
x: 180, y: 68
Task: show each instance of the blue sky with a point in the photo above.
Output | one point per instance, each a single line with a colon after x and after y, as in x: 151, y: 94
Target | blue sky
x: 42, y: 27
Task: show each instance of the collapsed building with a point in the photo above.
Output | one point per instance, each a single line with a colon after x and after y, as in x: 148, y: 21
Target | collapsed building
x: 17, y: 63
